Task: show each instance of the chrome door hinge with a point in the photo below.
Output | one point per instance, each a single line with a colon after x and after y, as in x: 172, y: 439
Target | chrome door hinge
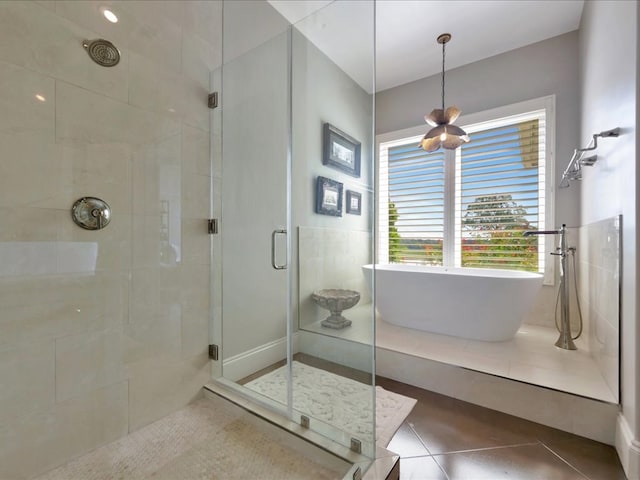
x: 212, y: 226
x: 304, y: 421
x: 357, y: 475
x: 213, y: 100
x: 213, y: 352
x: 356, y: 445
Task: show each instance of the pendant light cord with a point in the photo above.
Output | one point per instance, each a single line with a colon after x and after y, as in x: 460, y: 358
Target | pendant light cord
x: 442, y: 82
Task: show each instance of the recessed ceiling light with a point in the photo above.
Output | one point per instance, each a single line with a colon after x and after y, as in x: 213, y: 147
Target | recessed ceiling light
x: 40, y: 97
x: 109, y: 15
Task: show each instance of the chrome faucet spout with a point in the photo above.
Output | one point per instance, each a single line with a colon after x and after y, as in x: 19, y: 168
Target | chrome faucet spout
x: 541, y: 232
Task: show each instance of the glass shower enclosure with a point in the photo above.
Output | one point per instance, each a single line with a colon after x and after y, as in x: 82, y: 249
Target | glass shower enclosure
x: 292, y: 189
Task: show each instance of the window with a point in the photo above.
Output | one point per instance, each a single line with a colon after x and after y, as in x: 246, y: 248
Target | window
x: 470, y: 207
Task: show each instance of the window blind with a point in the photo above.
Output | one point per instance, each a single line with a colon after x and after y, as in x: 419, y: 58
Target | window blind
x: 416, y: 205
x: 468, y: 207
x: 499, y: 196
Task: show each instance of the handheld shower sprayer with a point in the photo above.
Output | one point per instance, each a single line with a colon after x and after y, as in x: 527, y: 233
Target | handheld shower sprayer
x: 565, y: 340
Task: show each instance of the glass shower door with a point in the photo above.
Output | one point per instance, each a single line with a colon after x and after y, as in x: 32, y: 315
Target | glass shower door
x: 253, y: 256
x: 279, y: 87
x: 332, y: 220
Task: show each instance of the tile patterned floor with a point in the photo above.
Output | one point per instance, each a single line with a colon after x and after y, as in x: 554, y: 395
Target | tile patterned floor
x: 442, y: 439
x: 210, y: 439
x: 448, y: 439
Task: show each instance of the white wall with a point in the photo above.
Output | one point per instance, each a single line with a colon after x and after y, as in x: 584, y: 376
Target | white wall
x: 549, y: 67
x: 608, y: 100
x: 87, y: 355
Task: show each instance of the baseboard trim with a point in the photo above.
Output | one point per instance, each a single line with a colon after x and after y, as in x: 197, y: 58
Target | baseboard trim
x: 246, y: 363
x: 338, y: 350
x: 628, y: 449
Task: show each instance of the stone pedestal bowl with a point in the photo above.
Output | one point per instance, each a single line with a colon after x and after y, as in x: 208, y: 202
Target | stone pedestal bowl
x: 336, y: 300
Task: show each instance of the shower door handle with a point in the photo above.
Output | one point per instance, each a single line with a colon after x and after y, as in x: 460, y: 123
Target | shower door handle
x: 274, y: 264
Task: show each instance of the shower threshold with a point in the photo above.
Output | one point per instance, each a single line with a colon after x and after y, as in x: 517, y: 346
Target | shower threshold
x: 384, y: 467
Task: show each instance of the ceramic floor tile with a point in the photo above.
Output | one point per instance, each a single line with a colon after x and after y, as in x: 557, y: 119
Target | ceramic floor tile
x: 406, y: 443
x: 495, y: 442
x: 527, y: 462
x: 456, y: 431
x: 553, y: 359
x: 420, y: 468
x: 597, y: 460
x: 445, y: 424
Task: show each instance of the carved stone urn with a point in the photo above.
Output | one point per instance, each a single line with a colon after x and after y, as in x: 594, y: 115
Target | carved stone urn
x: 336, y: 300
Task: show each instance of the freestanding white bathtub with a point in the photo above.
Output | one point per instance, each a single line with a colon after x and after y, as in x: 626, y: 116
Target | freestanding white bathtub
x: 472, y: 303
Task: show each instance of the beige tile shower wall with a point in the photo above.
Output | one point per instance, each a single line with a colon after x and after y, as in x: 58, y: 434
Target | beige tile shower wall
x: 101, y: 332
x: 599, y: 286
x: 331, y: 258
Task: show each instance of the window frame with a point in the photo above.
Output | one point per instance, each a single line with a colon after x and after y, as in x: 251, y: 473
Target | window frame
x: 470, y: 123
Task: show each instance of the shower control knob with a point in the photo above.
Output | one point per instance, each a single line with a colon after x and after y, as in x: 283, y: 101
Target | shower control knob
x: 91, y: 213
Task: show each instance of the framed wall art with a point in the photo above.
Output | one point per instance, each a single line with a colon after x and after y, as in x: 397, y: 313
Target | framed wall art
x: 340, y: 150
x: 328, y: 197
x: 354, y: 203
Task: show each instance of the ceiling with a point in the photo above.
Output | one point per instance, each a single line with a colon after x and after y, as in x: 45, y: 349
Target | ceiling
x: 406, y: 31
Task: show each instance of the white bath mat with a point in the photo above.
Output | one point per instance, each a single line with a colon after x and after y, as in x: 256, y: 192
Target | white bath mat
x: 338, y: 401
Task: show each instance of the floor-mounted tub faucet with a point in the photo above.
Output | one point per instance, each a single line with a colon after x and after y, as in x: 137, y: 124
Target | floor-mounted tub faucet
x: 565, y: 340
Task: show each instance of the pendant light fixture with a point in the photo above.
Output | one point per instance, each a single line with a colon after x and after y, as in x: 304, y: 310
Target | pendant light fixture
x: 443, y: 134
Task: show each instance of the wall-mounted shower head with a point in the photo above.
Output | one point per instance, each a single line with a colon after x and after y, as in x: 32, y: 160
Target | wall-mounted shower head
x: 103, y: 52
x: 574, y: 169
x: 589, y: 161
x: 614, y: 132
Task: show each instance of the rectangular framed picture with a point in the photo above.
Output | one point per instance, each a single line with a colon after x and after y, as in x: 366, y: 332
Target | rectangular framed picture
x: 328, y: 197
x: 340, y: 150
x: 354, y: 203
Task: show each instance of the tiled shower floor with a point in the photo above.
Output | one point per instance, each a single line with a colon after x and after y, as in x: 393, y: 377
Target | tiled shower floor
x: 207, y: 440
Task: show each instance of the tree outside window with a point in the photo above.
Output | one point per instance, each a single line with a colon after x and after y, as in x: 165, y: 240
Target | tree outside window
x: 494, y: 227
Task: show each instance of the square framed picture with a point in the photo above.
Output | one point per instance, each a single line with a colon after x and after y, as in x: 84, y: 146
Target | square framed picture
x: 340, y: 150
x: 328, y: 197
x: 354, y: 203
